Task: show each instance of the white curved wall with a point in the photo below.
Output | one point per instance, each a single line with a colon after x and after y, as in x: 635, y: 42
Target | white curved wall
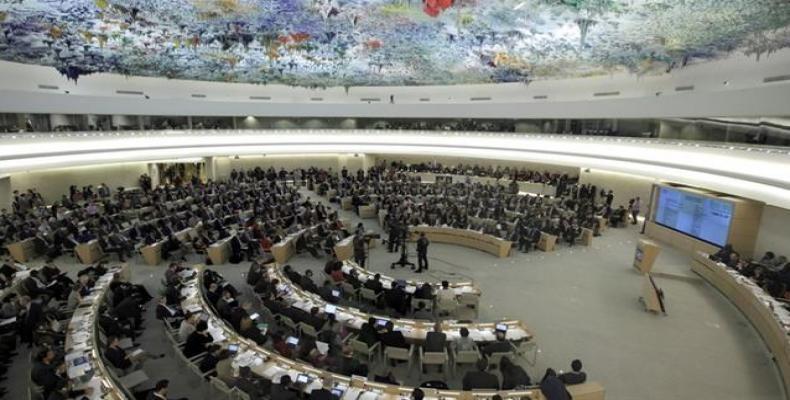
x: 26, y: 88
x: 758, y: 175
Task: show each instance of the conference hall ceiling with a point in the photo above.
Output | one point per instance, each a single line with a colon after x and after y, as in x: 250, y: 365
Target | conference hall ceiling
x: 323, y: 43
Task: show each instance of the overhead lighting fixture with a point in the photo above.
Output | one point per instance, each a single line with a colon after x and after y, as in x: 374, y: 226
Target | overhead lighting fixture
x: 520, y: 6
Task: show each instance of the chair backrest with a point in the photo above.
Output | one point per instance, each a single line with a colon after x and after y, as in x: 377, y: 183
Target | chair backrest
x: 308, y: 330
x: 359, y: 347
x: 347, y: 287
x: 467, y: 357
x: 240, y: 394
x: 287, y: 321
x: 494, y: 358
x: 428, y: 304
x: 220, y: 385
x: 397, y: 353
x: 434, y: 357
x: 469, y: 299
x: 368, y: 294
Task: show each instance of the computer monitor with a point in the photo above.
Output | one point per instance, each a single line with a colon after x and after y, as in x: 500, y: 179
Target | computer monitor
x: 302, y: 379
x: 381, y: 323
x: 501, y: 328
x: 233, y: 347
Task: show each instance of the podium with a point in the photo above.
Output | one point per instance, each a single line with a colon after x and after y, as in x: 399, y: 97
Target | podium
x: 367, y: 211
x: 89, y: 253
x: 587, y: 237
x: 646, y: 254
x: 547, y: 242
x: 345, y: 203
x: 24, y: 250
x: 152, y: 254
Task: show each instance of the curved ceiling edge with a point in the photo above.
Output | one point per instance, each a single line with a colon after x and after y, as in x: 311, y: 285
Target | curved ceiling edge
x: 751, y: 174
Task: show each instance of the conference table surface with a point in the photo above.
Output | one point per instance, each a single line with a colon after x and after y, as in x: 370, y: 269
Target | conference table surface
x: 411, y: 286
x: 271, y: 366
x: 413, y: 330
x: 82, y: 343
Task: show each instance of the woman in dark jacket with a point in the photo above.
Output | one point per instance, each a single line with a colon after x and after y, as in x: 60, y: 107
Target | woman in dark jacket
x: 513, y: 376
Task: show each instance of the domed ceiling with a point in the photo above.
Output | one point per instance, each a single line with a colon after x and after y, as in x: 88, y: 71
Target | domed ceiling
x: 323, y: 43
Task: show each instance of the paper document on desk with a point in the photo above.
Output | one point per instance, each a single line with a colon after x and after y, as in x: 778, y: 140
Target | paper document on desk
x: 322, y: 347
x: 369, y: 396
x: 78, y: 371
x: 8, y: 321
x: 272, y: 371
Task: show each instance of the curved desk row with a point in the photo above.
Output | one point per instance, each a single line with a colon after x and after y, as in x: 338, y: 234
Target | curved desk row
x: 464, y: 237
x: 767, y: 314
x: 460, y: 288
x: 82, y: 345
x: 528, y: 187
x: 272, y: 366
x: 413, y: 330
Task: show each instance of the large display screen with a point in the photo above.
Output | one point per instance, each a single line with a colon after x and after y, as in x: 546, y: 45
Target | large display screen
x: 698, y: 216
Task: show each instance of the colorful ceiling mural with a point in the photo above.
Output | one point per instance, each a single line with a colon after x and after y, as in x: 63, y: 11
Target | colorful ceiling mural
x: 323, y: 43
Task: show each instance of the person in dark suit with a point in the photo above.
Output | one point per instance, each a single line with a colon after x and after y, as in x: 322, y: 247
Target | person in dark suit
x: 576, y: 376
x: 398, y: 299
x: 46, y: 374
x: 129, y: 310
x: 422, y: 252
x: 500, y: 346
x: 282, y: 391
x: 393, y: 338
x: 307, y: 282
x: 480, y: 379
x: 552, y: 387
x: 435, y: 342
x: 198, y: 340
x: 513, y: 376
x: 375, y: 284
x: 425, y: 291
x: 160, y: 391
x: 359, y: 250
x: 116, y: 355
x: 248, y: 329
x: 321, y: 394
x: 31, y: 316
x: 248, y: 384
x: 368, y: 333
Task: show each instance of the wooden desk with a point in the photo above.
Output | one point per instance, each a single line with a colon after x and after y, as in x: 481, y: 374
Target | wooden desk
x: 368, y: 211
x: 194, y: 299
x: 764, y: 312
x: 24, y: 250
x: 587, y: 237
x: 152, y: 254
x: 344, y: 249
x: 219, y: 252
x: 464, y: 237
x: 345, y: 203
x: 602, y: 222
x: 89, y: 253
x: 547, y: 242
x: 286, y: 248
x: 331, y: 193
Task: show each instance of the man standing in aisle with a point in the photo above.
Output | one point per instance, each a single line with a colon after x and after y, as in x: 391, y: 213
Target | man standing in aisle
x: 359, y: 250
x: 422, y: 252
x: 635, y: 209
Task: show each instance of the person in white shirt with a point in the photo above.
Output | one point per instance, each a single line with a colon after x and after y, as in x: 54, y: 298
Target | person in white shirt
x: 187, y: 326
x: 446, y: 300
